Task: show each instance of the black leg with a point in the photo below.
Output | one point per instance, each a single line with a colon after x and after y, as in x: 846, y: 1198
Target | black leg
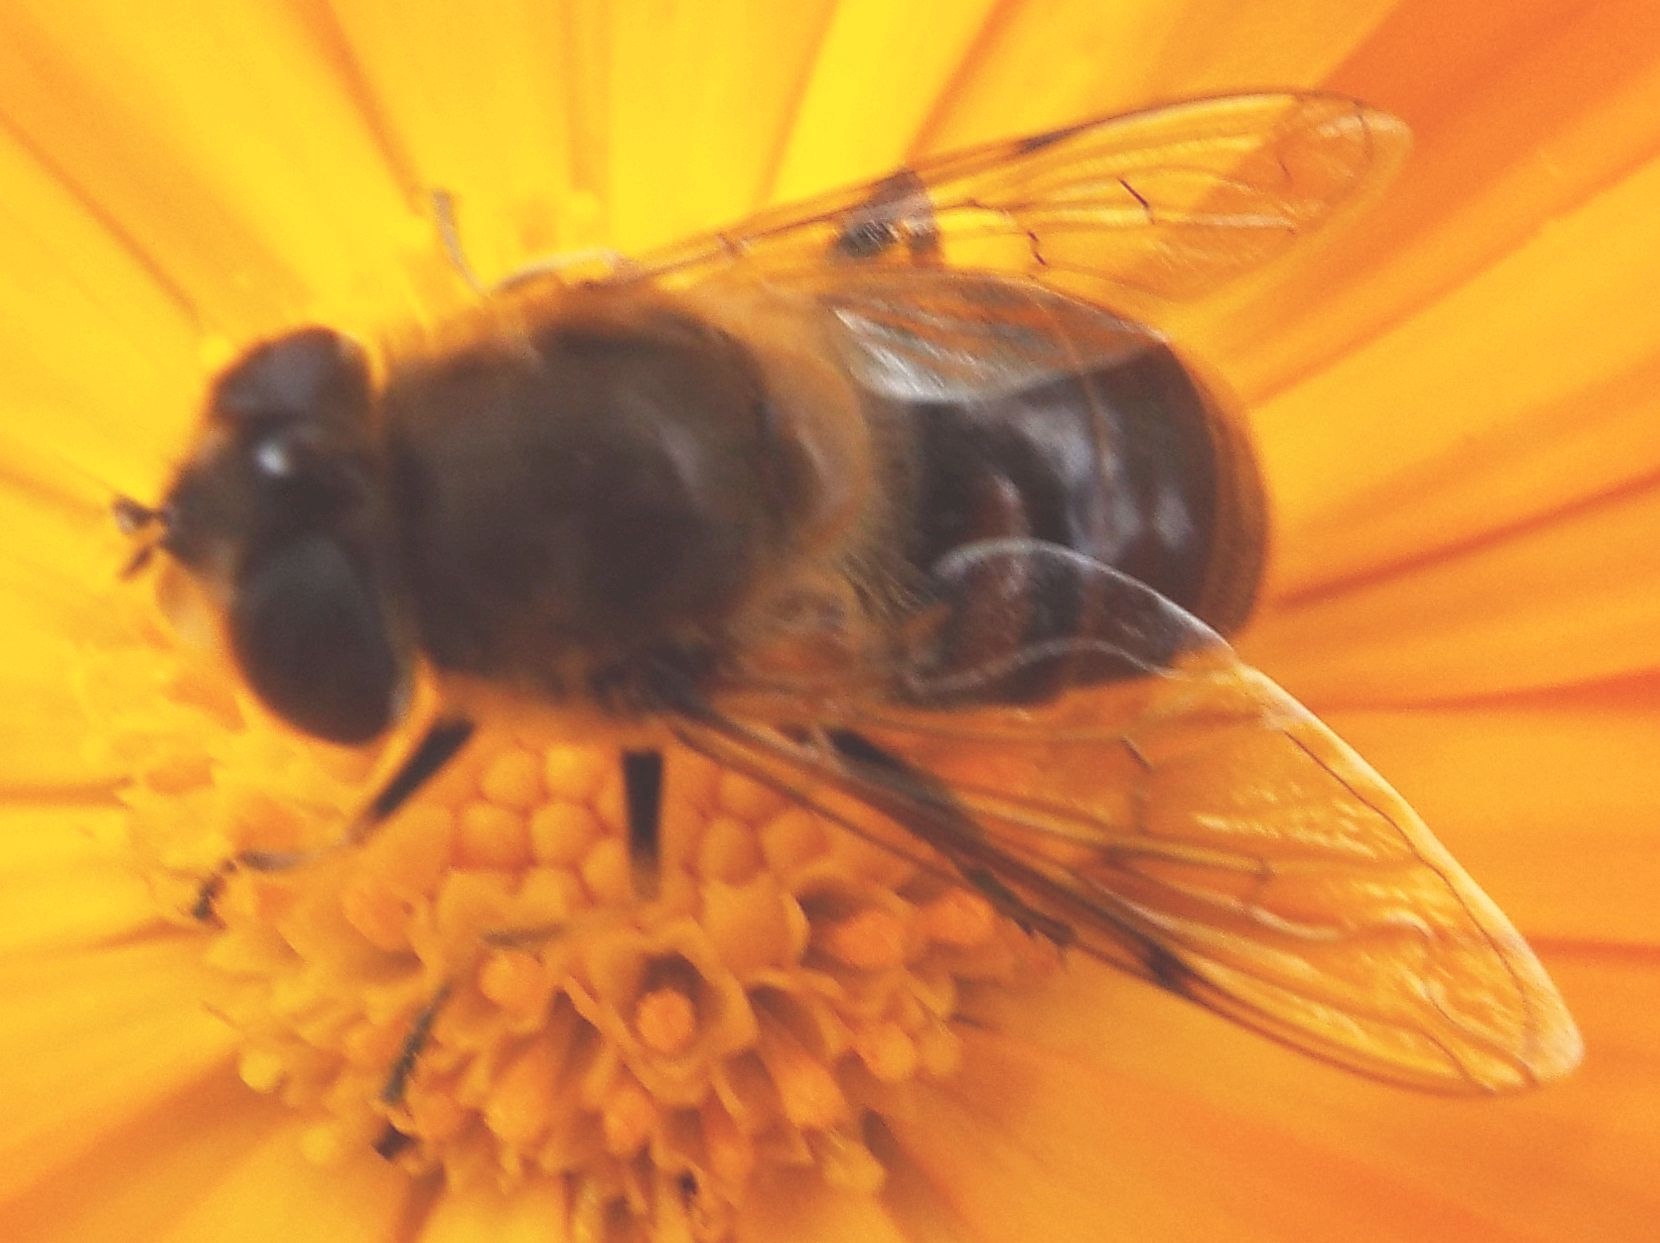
x: 642, y: 773
x: 437, y: 747
x: 403, y: 1067
x: 393, y: 1141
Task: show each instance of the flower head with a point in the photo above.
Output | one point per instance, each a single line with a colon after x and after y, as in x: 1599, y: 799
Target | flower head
x: 462, y: 1029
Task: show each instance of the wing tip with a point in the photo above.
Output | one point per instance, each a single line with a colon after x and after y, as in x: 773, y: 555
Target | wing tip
x: 1558, y: 1048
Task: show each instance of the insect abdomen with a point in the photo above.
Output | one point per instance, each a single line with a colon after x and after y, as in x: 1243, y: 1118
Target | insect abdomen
x: 1134, y: 465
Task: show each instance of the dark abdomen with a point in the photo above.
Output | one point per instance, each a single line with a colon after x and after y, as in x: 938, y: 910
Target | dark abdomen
x: 1133, y: 465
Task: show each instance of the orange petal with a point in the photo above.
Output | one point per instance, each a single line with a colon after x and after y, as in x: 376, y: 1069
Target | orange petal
x: 90, y: 1039
x: 1519, y: 114
x: 144, y: 1174
x: 474, y: 1214
x: 1541, y: 465
x: 1571, y: 600
x: 1564, y: 312
x: 1552, y: 808
x: 1113, y: 1109
x: 798, y: 1205
x: 275, y: 1193
x: 1574, y: 1161
x: 1036, y: 66
x: 1032, y: 1145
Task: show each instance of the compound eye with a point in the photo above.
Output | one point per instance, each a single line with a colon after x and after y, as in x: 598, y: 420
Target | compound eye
x: 311, y: 635
x: 313, y: 373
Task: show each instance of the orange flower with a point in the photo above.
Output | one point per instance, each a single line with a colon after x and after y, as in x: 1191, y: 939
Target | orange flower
x: 1455, y: 405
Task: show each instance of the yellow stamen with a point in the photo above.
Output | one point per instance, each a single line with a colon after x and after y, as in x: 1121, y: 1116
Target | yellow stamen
x: 939, y: 1051
x: 806, y: 1088
x: 731, y: 1152
x: 435, y: 1113
x: 728, y: 851
x: 561, y: 832
x: 414, y: 851
x: 483, y: 977
x: 572, y: 773
x: 958, y: 917
x: 513, y: 779
x: 849, y: 1165
x: 607, y: 873
x: 869, y: 940
x: 666, y: 1021
x: 521, y: 1104
x: 887, y: 1051
x: 515, y: 980
x: 629, y: 1118
x: 792, y: 838
x: 488, y: 836
x: 323, y: 1145
x: 377, y: 912
x: 261, y: 1071
x: 747, y: 800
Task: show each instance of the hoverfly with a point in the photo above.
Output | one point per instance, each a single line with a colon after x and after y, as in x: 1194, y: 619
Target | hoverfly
x: 889, y: 500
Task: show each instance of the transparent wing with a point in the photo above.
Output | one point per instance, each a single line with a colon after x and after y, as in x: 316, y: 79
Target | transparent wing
x: 1154, y: 206
x: 939, y: 334
x: 1175, y: 813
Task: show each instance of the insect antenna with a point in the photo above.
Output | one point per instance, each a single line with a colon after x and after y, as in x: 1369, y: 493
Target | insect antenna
x: 443, y: 214
x: 139, y: 520
x: 556, y: 265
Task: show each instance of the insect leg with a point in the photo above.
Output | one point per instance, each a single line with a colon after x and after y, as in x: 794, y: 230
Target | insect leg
x: 392, y: 1141
x: 442, y: 740
x: 642, y: 773
x: 438, y: 746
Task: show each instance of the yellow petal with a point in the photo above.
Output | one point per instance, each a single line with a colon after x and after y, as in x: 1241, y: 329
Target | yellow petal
x: 144, y: 1174
x: 67, y: 879
x: 687, y: 150
x: 248, y: 174
x: 91, y: 1038
x: 275, y: 1194
x: 100, y: 353
x: 535, y: 1214
x: 1036, y: 66
x: 875, y: 72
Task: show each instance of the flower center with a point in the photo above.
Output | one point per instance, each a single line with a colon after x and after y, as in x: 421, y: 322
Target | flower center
x: 478, y: 989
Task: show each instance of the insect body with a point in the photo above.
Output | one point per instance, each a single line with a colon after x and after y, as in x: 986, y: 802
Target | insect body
x: 866, y: 499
